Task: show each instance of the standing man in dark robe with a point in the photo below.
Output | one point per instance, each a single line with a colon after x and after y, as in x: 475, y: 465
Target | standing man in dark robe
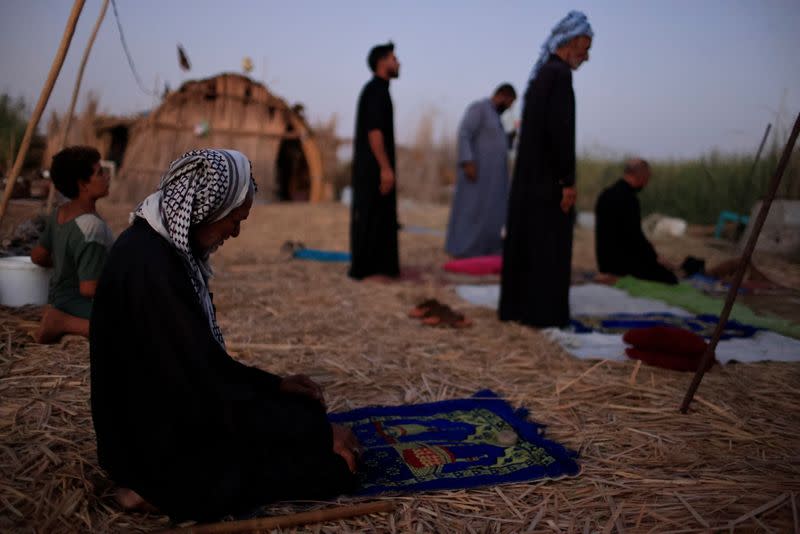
x: 373, y: 218
x: 537, y: 252
x: 481, y: 197
x: 621, y: 246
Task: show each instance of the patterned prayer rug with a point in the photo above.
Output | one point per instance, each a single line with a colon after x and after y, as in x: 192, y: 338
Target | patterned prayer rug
x: 702, y: 325
x: 463, y: 443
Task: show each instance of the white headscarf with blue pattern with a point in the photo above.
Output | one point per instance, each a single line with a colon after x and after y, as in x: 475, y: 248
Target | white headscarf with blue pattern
x: 573, y: 25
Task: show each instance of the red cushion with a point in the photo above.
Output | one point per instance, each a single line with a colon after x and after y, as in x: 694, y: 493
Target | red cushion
x: 480, y: 265
x: 666, y: 360
x: 669, y: 339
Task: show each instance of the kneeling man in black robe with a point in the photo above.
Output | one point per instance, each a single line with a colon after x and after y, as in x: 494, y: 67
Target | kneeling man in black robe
x: 621, y: 246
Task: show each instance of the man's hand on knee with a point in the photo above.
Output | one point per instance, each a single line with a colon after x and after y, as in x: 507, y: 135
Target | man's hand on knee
x: 346, y: 445
x: 302, y: 385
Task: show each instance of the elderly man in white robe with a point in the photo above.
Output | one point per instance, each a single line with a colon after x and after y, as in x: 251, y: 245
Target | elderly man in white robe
x: 481, y: 196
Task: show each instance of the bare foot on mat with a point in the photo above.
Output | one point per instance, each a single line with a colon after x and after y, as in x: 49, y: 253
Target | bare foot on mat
x: 605, y: 278
x: 130, y: 501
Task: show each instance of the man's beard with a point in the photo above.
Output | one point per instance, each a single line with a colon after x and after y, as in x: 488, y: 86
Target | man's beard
x: 575, y: 63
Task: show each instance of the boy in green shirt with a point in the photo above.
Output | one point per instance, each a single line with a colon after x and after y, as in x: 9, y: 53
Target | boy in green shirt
x: 74, y: 243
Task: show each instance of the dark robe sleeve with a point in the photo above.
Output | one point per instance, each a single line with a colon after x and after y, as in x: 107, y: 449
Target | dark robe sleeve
x: 605, y: 241
x: 374, y: 108
x: 188, y: 351
x: 561, y: 125
x: 621, y: 245
x: 149, y: 330
x: 642, y: 249
x: 177, y: 419
x: 646, y: 265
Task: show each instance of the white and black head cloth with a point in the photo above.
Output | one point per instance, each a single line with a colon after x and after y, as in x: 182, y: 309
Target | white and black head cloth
x: 202, y: 186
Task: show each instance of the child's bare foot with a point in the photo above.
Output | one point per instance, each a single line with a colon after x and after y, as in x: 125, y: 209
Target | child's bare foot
x: 48, y: 328
x: 56, y: 323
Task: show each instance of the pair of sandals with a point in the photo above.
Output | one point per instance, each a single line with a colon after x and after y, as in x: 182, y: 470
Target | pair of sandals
x: 434, y: 313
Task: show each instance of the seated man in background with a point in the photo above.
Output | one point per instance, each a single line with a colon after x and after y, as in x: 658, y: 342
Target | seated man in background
x: 75, y: 242
x: 621, y: 246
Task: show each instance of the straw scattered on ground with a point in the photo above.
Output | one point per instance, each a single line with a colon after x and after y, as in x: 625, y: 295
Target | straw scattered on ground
x: 733, y: 462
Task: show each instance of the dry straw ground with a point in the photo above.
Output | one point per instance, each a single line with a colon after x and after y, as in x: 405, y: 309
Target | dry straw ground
x: 732, y: 463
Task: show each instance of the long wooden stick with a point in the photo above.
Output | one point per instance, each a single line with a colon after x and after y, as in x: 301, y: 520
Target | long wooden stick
x: 286, y: 521
x: 757, y: 158
x: 743, y: 262
x: 75, y: 90
x: 55, y: 68
x: 760, y: 148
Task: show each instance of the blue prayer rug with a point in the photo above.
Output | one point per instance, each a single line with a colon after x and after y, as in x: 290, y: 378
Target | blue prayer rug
x: 325, y: 256
x: 617, y: 323
x: 453, y: 444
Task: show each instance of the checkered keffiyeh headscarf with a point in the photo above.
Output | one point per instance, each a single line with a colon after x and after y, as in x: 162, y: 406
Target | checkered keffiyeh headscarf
x: 573, y: 25
x: 202, y: 186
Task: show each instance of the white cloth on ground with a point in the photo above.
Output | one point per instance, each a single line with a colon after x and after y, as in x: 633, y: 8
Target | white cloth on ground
x: 588, y: 299
x: 595, y: 299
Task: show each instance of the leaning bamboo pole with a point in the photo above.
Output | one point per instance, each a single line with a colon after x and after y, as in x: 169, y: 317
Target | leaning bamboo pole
x: 67, y: 123
x: 743, y: 262
x: 55, y: 68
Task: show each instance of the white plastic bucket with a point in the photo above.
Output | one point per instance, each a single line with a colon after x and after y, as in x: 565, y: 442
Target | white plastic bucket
x: 586, y: 219
x: 23, y: 282
x: 346, y: 197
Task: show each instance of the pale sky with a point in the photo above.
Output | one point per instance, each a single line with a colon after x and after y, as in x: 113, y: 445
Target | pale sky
x: 675, y: 78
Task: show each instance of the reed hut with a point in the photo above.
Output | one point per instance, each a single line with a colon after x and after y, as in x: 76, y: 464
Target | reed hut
x: 225, y: 111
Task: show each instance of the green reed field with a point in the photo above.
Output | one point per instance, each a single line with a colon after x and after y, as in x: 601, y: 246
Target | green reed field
x: 695, y: 190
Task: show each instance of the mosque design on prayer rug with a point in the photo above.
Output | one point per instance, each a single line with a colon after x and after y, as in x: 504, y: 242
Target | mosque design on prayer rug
x: 618, y: 323
x: 462, y: 443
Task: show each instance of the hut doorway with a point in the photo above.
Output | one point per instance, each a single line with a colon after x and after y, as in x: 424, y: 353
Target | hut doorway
x: 292, y: 173
x: 119, y: 142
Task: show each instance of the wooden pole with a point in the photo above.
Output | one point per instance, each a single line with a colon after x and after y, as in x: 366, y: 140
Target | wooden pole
x: 68, y: 122
x: 743, y: 262
x: 745, y: 194
x: 287, y: 521
x: 314, y: 161
x: 760, y: 148
x: 55, y: 68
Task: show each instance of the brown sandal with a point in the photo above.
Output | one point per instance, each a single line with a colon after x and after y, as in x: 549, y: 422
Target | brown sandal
x: 424, y: 309
x: 445, y: 316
